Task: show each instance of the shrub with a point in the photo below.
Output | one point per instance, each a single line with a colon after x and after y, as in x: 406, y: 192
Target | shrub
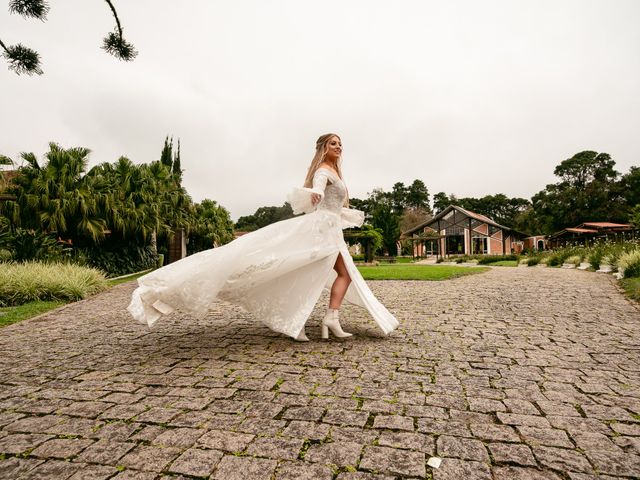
x: 532, y: 261
x: 609, y: 259
x: 595, y: 257
x: 486, y: 259
x: 25, y: 282
x: 574, y: 260
x: 117, y: 260
x: 630, y: 262
x: 24, y: 245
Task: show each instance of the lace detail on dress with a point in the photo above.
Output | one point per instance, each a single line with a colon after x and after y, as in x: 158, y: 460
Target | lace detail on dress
x: 277, y: 272
x: 335, y: 193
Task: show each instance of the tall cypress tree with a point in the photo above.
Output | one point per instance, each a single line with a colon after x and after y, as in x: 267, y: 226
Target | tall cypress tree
x: 177, y: 171
x: 167, y: 153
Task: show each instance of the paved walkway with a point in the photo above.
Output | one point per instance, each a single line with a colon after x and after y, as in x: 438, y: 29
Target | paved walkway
x: 518, y: 373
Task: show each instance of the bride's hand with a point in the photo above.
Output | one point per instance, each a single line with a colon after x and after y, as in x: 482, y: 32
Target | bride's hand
x: 315, y: 198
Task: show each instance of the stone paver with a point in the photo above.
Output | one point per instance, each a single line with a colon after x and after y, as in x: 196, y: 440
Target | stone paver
x: 527, y: 373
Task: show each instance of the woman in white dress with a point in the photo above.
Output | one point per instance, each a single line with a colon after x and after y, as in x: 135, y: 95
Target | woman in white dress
x: 277, y: 272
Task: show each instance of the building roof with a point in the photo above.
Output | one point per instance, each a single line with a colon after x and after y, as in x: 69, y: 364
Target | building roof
x: 447, y: 211
x: 605, y: 225
x: 580, y: 230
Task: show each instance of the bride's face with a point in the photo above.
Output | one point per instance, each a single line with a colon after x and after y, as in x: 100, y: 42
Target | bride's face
x: 334, y: 149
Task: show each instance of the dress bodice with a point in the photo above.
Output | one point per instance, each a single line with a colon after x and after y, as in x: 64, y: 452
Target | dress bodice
x: 335, y: 191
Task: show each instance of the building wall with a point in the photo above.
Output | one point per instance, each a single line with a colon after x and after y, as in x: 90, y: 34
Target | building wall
x: 495, y: 244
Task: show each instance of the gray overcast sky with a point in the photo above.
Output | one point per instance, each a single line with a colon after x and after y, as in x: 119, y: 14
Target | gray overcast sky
x: 473, y: 97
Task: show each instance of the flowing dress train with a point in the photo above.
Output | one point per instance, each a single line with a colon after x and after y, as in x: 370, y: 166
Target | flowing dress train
x: 277, y: 272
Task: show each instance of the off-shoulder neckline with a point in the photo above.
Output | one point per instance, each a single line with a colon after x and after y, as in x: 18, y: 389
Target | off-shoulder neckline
x: 330, y: 171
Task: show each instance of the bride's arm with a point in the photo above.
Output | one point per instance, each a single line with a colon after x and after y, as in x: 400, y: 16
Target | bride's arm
x: 320, y: 179
x: 304, y: 200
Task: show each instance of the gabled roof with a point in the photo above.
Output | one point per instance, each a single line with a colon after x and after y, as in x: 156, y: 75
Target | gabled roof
x: 446, y: 211
x: 604, y: 225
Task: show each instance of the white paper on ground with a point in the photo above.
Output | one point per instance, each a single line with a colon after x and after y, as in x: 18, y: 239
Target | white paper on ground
x: 434, y: 462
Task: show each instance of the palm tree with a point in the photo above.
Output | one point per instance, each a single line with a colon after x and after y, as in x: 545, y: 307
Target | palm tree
x: 56, y: 198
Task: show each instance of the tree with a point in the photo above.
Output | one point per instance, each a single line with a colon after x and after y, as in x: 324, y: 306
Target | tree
x: 264, y: 216
x: 385, y: 219
x: 397, y: 197
x: 369, y: 237
x: 211, y: 226
x: 499, y: 207
x: 634, y: 217
x: 588, y: 191
x: 56, y: 197
x: 418, y: 196
x: 630, y: 187
x: 441, y: 201
x: 22, y: 59
x: 176, y: 169
x: 166, y: 156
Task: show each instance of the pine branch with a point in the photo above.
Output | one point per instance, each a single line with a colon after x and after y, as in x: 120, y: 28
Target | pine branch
x: 115, y: 44
x: 30, y: 8
x: 22, y: 59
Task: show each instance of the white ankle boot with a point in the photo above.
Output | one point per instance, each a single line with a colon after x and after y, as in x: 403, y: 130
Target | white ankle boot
x: 331, y: 322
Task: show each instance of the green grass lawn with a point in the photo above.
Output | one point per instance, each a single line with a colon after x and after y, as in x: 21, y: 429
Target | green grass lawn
x: 9, y: 315
x: 505, y: 263
x: 631, y: 287
x: 417, y: 272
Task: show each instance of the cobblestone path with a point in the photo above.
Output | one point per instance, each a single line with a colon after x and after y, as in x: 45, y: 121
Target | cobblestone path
x: 518, y: 373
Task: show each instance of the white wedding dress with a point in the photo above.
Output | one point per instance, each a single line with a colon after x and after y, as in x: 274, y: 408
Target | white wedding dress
x: 277, y: 272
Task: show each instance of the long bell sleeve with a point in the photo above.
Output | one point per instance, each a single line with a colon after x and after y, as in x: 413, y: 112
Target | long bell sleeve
x: 300, y: 198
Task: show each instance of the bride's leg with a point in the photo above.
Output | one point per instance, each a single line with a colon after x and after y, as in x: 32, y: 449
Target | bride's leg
x: 340, y: 285
x: 338, y: 291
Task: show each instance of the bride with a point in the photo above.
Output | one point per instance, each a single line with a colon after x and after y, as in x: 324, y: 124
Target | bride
x: 277, y: 272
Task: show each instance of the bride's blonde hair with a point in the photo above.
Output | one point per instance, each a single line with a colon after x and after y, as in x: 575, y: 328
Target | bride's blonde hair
x: 321, y: 152
x: 318, y: 158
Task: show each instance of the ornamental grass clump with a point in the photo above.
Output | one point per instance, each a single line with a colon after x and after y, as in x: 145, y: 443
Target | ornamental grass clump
x: 629, y: 263
x: 533, y: 261
x: 609, y: 259
x: 595, y: 257
x: 26, y: 282
x: 574, y: 260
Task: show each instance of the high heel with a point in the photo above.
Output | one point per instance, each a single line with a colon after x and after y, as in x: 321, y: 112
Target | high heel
x: 331, y: 322
x: 302, y: 337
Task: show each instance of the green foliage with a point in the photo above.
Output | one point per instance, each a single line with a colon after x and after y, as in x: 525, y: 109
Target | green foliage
x: 629, y: 262
x: 500, y: 208
x: 211, y: 226
x: 384, y: 219
x: 121, y: 206
x: 368, y: 236
x: 634, y: 217
x: 26, y: 282
x: 574, y: 260
x: 588, y: 191
x: 264, y: 216
x: 117, y: 259
x: 594, y: 256
x: 441, y: 201
x: 535, y: 260
x: 21, y: 244
x: 631, y: 287
x: 488, y: 259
